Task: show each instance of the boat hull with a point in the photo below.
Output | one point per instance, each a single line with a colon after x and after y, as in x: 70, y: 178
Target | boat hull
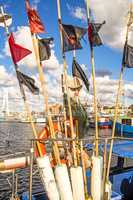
x: 106, y: 124
x: 124, y: 130
x: 101, y: 125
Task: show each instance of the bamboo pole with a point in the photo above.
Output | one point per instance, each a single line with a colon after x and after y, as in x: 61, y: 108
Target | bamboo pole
x: 117, y: 100
x: 84, y: 171
x: 31, y: 169
x: 45, y: 95
x: 64, y: 106
x: 22, y: 90
x: 76, y: 120
x: 66, y: 83
x: 104, y: 168
x: 94, y: 88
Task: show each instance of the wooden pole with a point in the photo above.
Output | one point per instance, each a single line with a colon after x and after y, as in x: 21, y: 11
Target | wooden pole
x: 22, y: 91
x: 104, y: 168
x: 84, y: 171
x: 64, y: 106
x: 117, y: 100
x: 45, y: 95
x: 31, y: 169
x: 76, y: 120
x: 94, y: 88
x: 66, y: 84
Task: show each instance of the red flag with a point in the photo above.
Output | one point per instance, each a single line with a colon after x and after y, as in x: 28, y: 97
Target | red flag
x: 35, y: 23
x: 16, y: 50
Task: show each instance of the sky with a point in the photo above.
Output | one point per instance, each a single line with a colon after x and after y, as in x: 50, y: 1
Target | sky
x: 107, y: 57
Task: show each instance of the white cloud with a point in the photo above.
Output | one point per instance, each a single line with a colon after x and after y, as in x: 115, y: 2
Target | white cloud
x: 106, y: 87
x: 79, y: 13
x: 114, y: 12
x: 52, y: 68
x: 52, y: 63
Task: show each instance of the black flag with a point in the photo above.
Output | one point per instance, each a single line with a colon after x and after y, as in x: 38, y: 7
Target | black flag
x: 127, y: 60
x: 93, y: 35
x: 44, y: 48
x: 72, y: 36
x: 28, y: 81
x: 78, y: 72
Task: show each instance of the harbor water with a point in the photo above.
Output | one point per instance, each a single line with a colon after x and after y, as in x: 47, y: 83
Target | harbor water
x: 15, y: 141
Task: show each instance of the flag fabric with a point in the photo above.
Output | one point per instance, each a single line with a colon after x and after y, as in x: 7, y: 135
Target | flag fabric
x: 72, y: 36
x: 93, y: 35
x: 36, y: 26
x: 18, y: 52
x: 127, y: 60
x: 44, y: 48
x: 28, y: 82
x: 78, y: 72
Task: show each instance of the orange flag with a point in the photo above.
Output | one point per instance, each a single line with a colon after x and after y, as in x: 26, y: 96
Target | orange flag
x: 35, y: 23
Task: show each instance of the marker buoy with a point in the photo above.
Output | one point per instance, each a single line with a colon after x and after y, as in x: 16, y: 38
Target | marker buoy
x: 63, y: 182
x: 77, y: 183
x: 47, y: 176
x: 96, y: 177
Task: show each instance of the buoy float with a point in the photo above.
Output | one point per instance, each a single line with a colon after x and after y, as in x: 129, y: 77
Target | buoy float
x: 63, y: 182
x: 77, y: 183
x: 14, y: 163
x: 47, y: 176
x: 96, y: 177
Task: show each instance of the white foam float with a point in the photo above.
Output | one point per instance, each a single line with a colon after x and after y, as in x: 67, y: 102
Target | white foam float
x: 96, y: 177
x: 77, y: 183
x: 47, y: 176
x: 63, y: 182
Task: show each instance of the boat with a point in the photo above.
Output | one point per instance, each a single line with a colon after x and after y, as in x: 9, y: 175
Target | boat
x: 121, y: 176
x: 40, y: 120
x: 103, y: 122
x: 124, y: 127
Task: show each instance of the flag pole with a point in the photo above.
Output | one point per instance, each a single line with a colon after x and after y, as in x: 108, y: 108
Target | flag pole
x: 66, y: 84
x: 94, y: 87
x: 44, y: 92
x: 64, y: 106
x: 76, y: 120
x: 45, y: 95
x: 117, y: 100
x: 22, y: 90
